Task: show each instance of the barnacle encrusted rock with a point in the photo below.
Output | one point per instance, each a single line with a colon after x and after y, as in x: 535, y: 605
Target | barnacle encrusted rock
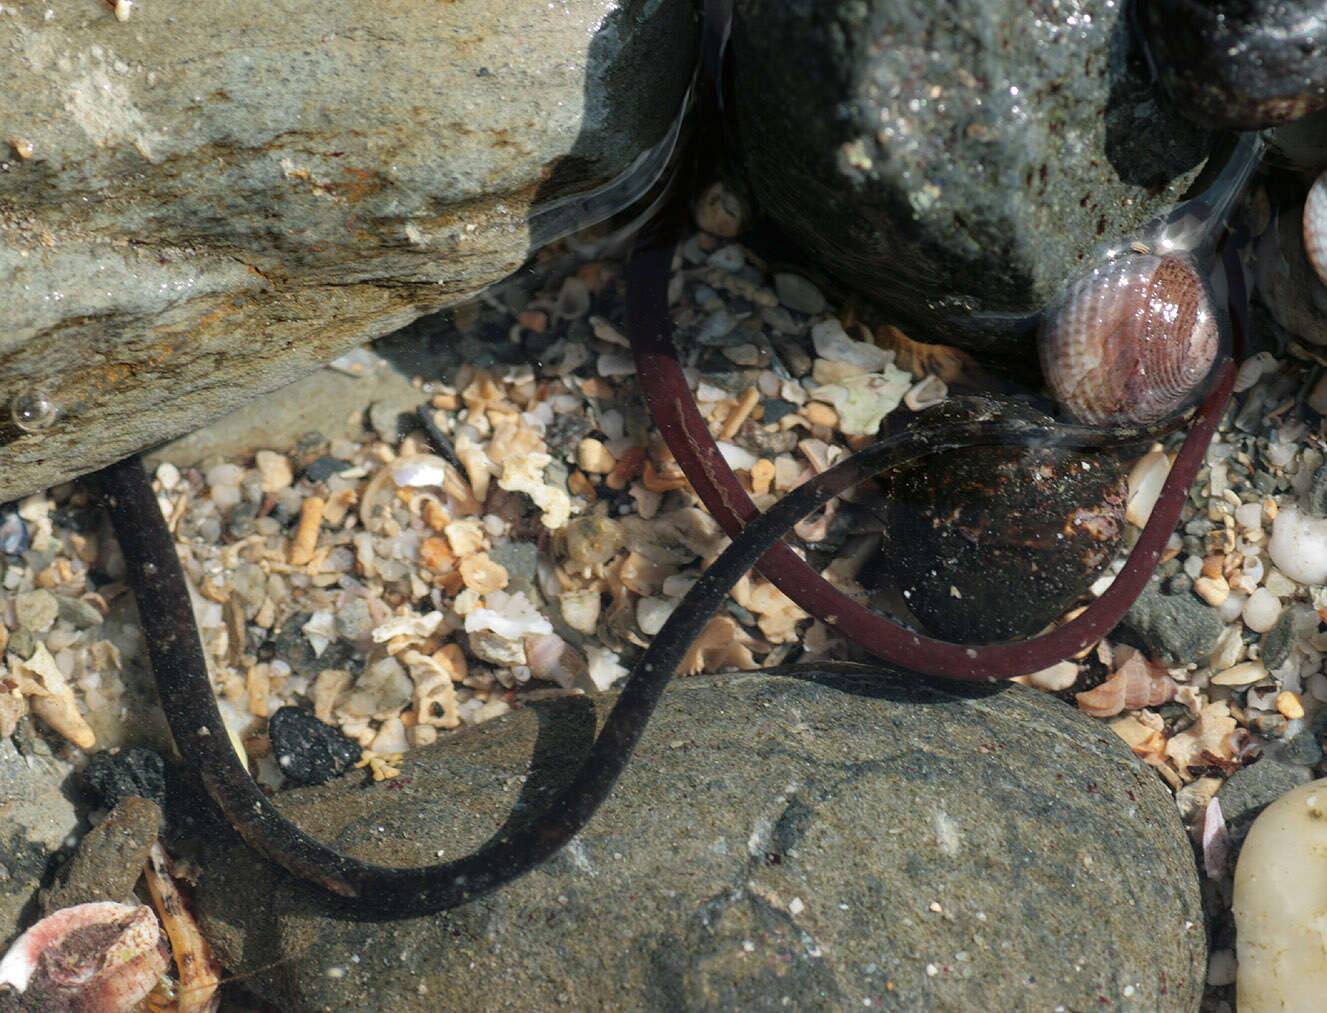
x: 186, y: 221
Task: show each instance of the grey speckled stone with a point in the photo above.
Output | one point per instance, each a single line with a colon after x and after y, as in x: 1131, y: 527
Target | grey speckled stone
x: 957, y: 155
x: 1252, y: 789
x: 776, y: 843
x: 199, y: 206
x: 1178, y: 629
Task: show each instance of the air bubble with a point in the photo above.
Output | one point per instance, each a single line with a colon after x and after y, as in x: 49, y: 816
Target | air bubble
x: 32, y: 411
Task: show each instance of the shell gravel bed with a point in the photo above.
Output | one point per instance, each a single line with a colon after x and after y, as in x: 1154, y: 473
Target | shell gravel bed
x: 401, y: 583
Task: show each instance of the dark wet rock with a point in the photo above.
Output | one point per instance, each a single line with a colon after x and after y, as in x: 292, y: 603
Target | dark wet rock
x: 1291, y: 290
x: 776, y: 843
x: 113, y: 775
x: 308, y: 751
x: 1037, y: 523
x: 38, y: 819
x: 1176, y: 629
x: 109, y: 858
x: 953, y: 157
x: 1252, y: 789
x: 170, y: 250
x: 1240, y: 64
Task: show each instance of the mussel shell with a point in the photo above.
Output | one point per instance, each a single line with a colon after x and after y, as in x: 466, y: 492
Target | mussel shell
x: 989, y: 544
x: 1240, y: 64
x: 1130, y: 342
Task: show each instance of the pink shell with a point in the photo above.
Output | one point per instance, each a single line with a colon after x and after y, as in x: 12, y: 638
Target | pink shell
x: 1129, y: 342
x: 1136, y: 683
x: 1315, y: 226
x: 101, y: 957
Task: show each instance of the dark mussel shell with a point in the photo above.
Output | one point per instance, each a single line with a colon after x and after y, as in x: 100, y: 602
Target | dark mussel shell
x: 1239, y: 64
x: 989, y: 544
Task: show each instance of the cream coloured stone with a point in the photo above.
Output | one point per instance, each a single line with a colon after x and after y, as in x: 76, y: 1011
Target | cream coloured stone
x: 1280, y: 905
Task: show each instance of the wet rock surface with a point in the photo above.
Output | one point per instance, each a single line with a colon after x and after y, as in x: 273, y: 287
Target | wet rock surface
x: 1038, y: 522
x: 185, y: 222
x: 109, y: 858
x: 1178, y: 629
x: 954, y: 157
x: 38, y: 819
x: 775, y: 842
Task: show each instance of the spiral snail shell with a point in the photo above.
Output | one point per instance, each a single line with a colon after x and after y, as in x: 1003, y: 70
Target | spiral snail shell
x: 1315, y: 226
x: 1129, y: 342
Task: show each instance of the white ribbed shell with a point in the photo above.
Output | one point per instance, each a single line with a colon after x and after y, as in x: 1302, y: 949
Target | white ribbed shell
x: 1129, y: 342
x: 1315, y: 226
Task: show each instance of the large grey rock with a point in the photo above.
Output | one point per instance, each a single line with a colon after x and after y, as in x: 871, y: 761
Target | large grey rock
x: 955, y: 156
x: 775, y: 843
x: 202, y: 204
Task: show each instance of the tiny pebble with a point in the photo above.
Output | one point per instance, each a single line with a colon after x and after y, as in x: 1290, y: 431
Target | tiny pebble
x: 1261, y: 610
x: 325, y: 467
x: 728, y: 258
x: 37, y: 610
x: 1316, y: 498
x: 274, y: 469
x: 308, y: 751
x: 78, y: 612
x: 798, y: 294
x: 114, y: 774
x: 1213, y: 590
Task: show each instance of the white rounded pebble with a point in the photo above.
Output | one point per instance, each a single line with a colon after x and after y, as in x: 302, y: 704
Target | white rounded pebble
x: 275, y: 470
x: 1280, y: 905
x: 225, y: 495
x: 168, y: 475
x: 651, y: 613
x: 1298, y: 546
x: 1249, y: 515
x: 1261, y: 610
x: 1230, y: 609
x: 1193, y: 566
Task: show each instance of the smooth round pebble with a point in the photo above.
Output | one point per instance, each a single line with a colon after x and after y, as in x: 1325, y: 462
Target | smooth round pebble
x: 274, y: 469
x: 1280, y: 904
x: 798, y: 294
x: 1261, y: 610
x: 1298, y: 546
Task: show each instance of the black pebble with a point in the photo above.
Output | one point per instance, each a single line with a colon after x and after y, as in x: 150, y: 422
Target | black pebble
x: 116, y: 774
x: 324, y: 468
x: 308, y: 751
